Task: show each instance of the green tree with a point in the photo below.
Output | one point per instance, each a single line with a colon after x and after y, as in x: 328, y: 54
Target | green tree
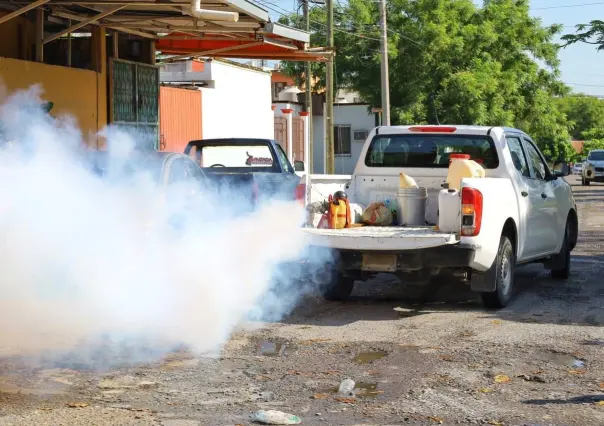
x: 592, y: 33
x: 584, y: 113
x: 453, y: 62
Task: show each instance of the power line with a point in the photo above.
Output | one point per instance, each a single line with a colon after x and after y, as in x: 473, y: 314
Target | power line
x: 568, y: 5
x: 581, y: 84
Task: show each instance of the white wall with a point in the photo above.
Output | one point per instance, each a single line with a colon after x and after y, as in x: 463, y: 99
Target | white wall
x: 239, y: 104
x: 358, y: 117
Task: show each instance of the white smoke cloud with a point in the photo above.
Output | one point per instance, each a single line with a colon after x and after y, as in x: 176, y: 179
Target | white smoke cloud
x: 84, y: 257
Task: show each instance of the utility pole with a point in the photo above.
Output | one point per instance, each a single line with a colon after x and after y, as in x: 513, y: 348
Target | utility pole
x: 308, y: 88
x: 329, y: 136
x: 385, y: 79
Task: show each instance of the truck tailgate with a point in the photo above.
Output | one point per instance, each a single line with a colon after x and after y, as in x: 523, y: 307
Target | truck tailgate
x: 386, y: 238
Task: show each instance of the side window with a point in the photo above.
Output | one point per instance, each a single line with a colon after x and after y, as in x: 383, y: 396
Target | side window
x: 178, y: 171
x: 192, y: 170
x: 285, y: 165
x: 518, y: 156
x: 539, y: 167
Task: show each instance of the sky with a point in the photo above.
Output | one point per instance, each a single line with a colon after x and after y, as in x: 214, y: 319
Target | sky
x: 582, y: 66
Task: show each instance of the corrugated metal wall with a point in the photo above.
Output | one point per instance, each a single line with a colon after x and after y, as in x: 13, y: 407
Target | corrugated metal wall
x: 179, y: 118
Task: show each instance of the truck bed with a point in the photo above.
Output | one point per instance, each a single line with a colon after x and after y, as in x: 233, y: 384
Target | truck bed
x: 381, y: 238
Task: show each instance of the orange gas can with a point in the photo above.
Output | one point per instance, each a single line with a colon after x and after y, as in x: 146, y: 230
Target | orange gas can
x: 339, y: 210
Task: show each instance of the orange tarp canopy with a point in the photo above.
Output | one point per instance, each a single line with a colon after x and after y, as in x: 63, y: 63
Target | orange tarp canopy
x: 255, y: 47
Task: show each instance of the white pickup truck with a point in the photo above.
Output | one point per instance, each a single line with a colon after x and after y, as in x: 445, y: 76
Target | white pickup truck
x: 521, y: 212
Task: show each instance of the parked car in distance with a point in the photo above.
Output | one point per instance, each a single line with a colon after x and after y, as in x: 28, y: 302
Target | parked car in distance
x: 577, y: 168
x: 593, y: 167
x: 520, y: 212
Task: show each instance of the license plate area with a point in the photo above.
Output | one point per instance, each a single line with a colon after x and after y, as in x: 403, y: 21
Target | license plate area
x: 379, y: 262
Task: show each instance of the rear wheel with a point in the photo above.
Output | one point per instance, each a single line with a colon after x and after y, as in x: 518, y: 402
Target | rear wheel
x: 561, y: 262
x: 333, y: 285
x: 584, y: 181
x: 505, y: 266
x: 339, y: 288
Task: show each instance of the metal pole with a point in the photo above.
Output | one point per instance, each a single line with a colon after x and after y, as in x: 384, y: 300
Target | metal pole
x: 308, y: 87
x: 329, y: 145
x: 385, y: 80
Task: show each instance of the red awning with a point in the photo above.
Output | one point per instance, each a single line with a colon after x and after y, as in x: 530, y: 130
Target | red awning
x: 253, y: 47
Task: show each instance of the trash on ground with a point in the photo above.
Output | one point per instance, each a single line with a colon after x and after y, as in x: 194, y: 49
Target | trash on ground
x: 347, y: 387
x: 531, y: 378
x: 485, y: 390
x: 272, y: 417
x: 501, y: 378
x: 346, y: 400
x: 77, y: 404
x: 438, y: 420
x: 320, y: 396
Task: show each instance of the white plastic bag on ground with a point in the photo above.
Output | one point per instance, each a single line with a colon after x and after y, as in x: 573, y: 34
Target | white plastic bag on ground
x: 272, y: 417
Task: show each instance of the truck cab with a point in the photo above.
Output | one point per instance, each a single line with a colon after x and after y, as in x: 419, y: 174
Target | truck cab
x: 520, y: 212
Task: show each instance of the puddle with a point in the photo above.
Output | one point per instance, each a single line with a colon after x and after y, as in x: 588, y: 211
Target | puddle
x: 366, y: 390
x: 272, y: 349
x: 368, y: 357
x: 564, y: 360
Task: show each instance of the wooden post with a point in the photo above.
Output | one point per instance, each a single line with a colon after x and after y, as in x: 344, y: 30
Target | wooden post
x: 69, y: 45
x: 115, y: 40
x: 39, y: 35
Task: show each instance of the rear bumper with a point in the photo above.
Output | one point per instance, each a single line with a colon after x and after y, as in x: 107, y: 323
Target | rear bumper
x: 433, y: 259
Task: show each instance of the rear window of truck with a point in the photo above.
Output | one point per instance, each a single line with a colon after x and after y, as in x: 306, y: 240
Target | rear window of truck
x: 429, y: 150
x: 235, y: 156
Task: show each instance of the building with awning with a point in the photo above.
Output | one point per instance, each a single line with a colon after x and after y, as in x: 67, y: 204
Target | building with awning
x: 97, y: 59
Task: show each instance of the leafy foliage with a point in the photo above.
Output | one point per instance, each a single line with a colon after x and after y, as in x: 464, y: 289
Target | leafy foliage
x: 584, y: 113
x: 452, y: 62
x: 592, y: 33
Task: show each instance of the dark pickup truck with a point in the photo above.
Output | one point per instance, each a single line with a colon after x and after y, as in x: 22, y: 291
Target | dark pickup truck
x: 255, y: 168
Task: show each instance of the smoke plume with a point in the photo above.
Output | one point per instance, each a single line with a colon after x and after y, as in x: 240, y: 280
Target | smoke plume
x: 97, y: 259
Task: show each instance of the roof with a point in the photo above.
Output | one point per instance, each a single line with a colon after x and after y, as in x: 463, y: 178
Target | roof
x: 211, y: 28
x: 265, y: 41
x: 476, y: 130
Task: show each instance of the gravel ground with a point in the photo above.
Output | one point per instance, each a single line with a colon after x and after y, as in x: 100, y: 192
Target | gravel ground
x: 538, y: 362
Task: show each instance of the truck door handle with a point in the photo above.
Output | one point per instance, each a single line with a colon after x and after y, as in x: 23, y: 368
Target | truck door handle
x: 524, y: 194
x: 544, y: 196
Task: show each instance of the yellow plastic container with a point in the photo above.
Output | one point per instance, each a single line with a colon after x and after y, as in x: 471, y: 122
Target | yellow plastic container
x: 461, y: 166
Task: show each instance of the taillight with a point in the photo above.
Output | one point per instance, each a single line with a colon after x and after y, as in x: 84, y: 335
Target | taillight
x: 301, y: 193
x: 471, y: 212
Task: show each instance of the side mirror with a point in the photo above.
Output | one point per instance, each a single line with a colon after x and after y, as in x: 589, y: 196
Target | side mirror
x: 299, y: 166
x: 561, y: 169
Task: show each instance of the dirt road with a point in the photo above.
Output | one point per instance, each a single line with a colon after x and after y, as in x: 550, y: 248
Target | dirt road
x: 538, y: 362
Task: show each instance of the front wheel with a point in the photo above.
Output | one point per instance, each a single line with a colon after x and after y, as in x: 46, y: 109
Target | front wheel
x: 505, y: 266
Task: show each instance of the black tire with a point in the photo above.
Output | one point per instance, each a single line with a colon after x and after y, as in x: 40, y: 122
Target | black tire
x: 505, y: 266
x: 561, y: 262
x: 584, y: 181
x: 338, y: 289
